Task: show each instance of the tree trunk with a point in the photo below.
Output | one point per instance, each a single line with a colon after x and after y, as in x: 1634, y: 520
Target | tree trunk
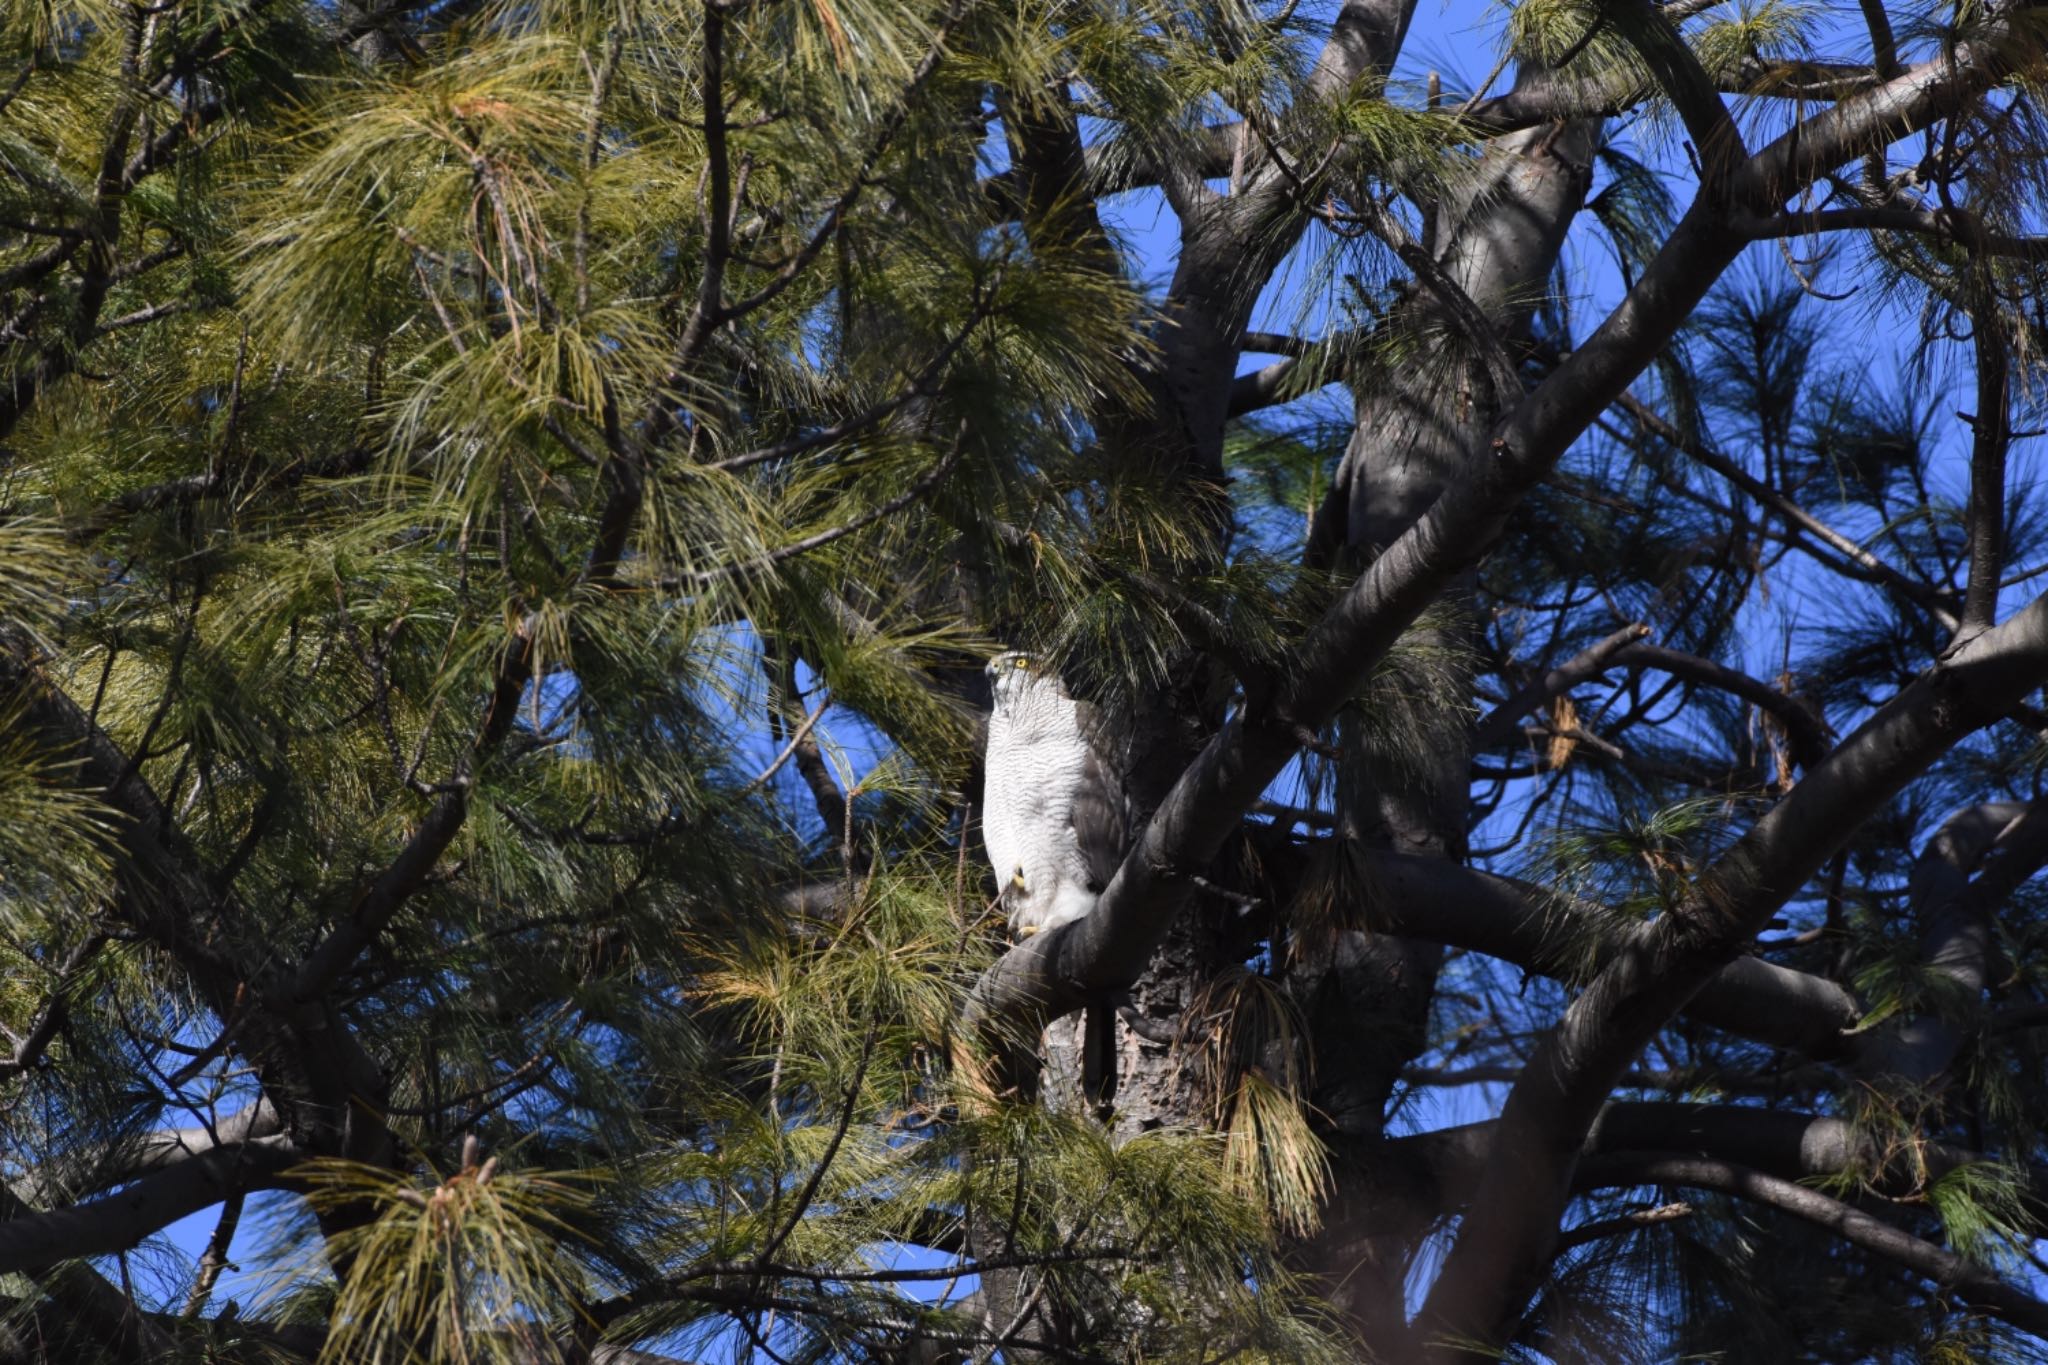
x: 1404, y: 786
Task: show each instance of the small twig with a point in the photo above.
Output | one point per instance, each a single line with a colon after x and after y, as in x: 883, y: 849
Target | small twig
x: 142, y: 316
x: 924, y: 485
x: 600, y: 86
x: 892, y: 124
x: 1627, y: 1222
x: 920, y: 387
x: 215, y: 1258
x: 50, y: 1018
x: 802, y: 733
x: 16, y: 85
x: 825, y: 1159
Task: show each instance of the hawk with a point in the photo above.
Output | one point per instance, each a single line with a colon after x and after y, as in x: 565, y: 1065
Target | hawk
x: 1054, y: 818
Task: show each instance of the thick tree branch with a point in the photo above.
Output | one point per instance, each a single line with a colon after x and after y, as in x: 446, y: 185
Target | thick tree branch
x: 1440, y: 901
x: 1958, y: 942
x: 165, y: 890
x: 1115, y: 171
x: 1262, y: 388
x: 1607, y: 96
x: 45, y: 262
x: 1716, y: 140
x: 32, y: 1241
x: 1057, y: 200
x: 85, y: 1307
x: 1872, y: 118
x: 1215, y: 147
x: 1505, y: 1244
x: 76, y: 1175
x: 319, y: 1075
x: 1056, y: 972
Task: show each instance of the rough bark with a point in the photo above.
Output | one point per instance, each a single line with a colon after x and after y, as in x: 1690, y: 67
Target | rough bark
x: 1366, y: 998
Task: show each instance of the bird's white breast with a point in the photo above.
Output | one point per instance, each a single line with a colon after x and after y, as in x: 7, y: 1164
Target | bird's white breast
x: 1035, y: 761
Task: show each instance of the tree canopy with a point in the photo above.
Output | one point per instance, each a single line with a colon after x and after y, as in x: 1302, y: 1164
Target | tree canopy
x: 504, y: 507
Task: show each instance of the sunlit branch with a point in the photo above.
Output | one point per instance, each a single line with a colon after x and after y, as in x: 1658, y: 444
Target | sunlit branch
x: 31, y: 1241
x: 1957, y: 227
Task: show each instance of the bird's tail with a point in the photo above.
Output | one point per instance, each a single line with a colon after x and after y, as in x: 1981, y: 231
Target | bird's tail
x: 1098, y: 1055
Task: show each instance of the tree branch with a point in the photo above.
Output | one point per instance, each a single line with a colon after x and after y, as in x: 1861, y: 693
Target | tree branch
x: 164, y: 891
x: 1504, y: 722
x: 1804, y: 726
x: 1622, y: 1225
x: 1783, y: 1143
x: 103, y: 233
x: 1958, y: 945
x: 1990, y: 438
x: 1937, y: 604
x: 1262, y: 388
x: 885, y: 135
x: 1438, y: 900
x: 76, y: 1175
x: 28, y: 1052
x: 1944, y: 225
x: 1950, y: 1272
x: 32, y: 1241
x: 1505, y: 1243
x: 1058, y: 971
x: 920, y: 386
x: 193, y: 487
x: 1676, y: 68
x: 380, y: 903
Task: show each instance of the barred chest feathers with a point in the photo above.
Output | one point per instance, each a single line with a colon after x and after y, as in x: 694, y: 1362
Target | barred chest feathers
x: 1039, y: 767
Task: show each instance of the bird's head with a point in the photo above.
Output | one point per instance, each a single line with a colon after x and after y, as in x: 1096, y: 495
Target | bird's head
x: 1010, y: 674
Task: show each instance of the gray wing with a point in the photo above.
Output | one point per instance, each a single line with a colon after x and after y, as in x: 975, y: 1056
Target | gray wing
x: 1101, y: 814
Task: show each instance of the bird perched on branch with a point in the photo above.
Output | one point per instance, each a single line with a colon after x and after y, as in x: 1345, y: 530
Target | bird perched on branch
x: 1055, y: 818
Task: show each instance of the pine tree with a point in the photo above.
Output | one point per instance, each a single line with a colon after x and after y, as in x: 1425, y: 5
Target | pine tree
x: 503, y: 509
